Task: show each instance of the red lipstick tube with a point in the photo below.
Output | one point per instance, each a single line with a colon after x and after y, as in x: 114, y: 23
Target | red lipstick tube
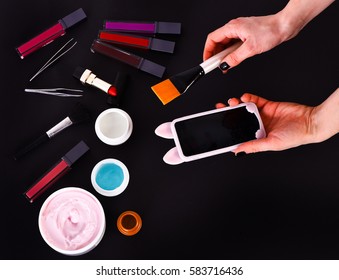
x: 49, y: 35
x: 86, y: 76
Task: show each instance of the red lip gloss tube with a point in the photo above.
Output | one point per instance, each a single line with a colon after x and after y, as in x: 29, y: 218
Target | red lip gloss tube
x: 57, y: 171
x: 134, y: 41
x: 49, y: 35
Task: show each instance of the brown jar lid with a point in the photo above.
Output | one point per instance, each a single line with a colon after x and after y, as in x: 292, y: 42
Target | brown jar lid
x: 129, y: 223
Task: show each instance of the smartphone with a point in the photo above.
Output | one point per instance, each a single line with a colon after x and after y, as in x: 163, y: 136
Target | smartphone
x: 216, y: 131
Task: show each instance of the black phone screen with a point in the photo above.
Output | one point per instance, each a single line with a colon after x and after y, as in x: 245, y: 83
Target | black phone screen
x: 216, y: 131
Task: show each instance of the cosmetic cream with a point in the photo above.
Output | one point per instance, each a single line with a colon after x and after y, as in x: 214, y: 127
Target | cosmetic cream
x: 72, y: 221
x: 110, y: 177
x: 113, y: 126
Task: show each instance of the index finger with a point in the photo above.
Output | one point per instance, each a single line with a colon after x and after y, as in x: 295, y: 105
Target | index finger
x: 215, y: 43
x: 218, y: 39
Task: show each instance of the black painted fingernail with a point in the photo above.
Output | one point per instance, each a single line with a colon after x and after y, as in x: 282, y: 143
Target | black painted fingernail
x: 224, y: 66
x: 240, y: 154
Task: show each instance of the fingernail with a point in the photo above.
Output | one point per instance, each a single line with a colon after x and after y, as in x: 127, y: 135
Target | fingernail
x: 229, y: 100
x: 224, y: 66
x: 240, y: 154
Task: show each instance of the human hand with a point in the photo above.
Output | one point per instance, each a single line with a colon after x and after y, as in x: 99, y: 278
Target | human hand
x: 258, y: 34
x: 287, y: 124
x: 262, y: 33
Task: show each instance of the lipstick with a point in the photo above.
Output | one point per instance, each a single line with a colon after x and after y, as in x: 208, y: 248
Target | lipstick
x: 86, y: 76
x: 134, y: 41
x: 114, y: 92
x: 131, y: 59
x: 50, y: 34
x: 57, y: 171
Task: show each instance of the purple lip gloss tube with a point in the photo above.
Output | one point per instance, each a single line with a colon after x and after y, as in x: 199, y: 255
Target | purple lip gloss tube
x: 145, y: 27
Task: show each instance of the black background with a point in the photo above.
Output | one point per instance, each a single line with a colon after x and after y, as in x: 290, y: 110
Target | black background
x: 272, y: 205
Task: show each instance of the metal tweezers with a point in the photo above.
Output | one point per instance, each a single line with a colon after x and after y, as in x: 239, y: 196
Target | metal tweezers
x: 55, y: 91
x: 55, y: 57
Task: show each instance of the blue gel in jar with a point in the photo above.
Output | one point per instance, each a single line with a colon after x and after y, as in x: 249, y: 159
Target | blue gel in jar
x: 109, y: 176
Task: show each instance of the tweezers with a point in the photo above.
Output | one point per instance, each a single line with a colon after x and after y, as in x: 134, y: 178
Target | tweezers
x: 55, y: 91
x: 54, y: 58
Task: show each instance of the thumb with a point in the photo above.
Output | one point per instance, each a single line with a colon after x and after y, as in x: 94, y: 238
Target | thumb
x: 253, y: 146
x: 237, y: 56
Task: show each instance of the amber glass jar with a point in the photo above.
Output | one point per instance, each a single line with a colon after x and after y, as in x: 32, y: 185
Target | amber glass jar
x: 129, y: 223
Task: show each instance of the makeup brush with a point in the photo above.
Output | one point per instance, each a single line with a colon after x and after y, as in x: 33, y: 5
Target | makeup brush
x: 77, y: 115
x: 178, y: 84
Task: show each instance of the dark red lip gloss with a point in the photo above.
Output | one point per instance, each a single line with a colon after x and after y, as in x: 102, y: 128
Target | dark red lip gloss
x: 128, y: 58
x: 49, y: 35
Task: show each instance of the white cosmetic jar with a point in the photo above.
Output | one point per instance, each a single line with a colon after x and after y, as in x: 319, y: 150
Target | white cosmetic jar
x: 72, y: 221
x: 113, y: 126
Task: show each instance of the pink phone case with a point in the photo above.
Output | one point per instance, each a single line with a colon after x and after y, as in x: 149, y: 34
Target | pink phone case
x: 176, y: 156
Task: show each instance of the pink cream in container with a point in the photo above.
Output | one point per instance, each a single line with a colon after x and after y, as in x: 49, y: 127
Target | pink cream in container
x: 72, y: 221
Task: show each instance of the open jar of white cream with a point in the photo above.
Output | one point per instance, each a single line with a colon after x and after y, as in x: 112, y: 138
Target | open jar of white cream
x: 72, y: 221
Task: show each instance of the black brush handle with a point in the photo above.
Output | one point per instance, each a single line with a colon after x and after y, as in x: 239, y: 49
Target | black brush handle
x: 42, y: 139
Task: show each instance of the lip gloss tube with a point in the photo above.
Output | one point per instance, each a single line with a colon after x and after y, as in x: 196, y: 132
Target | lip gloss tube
x: 128, y: 58
x: 57, y: 171
x: 134, y: 41
x: 52, y: 33
x: 145, y: 27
